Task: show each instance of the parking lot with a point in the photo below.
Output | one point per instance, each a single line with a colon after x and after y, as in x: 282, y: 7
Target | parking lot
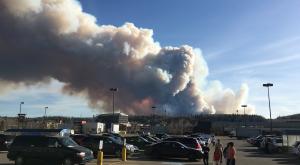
x: 246, y: 155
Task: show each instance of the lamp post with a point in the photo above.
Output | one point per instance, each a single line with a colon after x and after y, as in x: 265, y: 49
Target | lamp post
x: 268, y: 85
x: 45, y: 111
x: 21, y: 107
x: 21, y: 116
x: 244, y: 106
x: 153, y: 108
x: 113, y: 90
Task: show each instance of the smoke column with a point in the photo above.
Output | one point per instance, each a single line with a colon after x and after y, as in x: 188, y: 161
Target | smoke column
x: 54, y: 39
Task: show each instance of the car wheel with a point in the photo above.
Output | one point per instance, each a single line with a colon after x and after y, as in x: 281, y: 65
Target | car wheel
x: 67, y: 161
x: 19, y: 161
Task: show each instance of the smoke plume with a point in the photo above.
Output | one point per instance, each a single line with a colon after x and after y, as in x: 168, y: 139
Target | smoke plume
x: 54, y: 39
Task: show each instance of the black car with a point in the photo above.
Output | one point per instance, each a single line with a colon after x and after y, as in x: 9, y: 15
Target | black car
x: 138, y: 141
x: 60, y: 150
x: 162, y: 135
x: 3, y: 145
x: 172, y: 149
x: 5, y: 141
x: 111, y: 146
x: 188, y: 141
x: 149, y: 138
x: 78, y: 138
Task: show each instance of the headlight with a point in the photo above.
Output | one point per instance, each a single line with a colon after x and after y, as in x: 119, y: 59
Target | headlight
x: 81, y: 154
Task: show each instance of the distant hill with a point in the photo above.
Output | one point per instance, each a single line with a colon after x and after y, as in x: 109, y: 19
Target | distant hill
x: 295, y: 116
x: 201, y: 117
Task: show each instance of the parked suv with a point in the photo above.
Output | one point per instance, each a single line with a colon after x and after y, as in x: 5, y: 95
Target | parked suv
x: 60, y: 150
x: 187, y: 141
x: 275, y: 145
x: 138, y: 141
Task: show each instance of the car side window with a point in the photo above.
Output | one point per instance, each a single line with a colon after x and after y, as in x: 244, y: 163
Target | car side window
x: 52, y: 143
x: 175, y: 145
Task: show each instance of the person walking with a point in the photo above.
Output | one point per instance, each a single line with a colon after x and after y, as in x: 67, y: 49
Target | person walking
x: 231, y: 153
x: 219, y: 144
x: 213, y: 140
x: 206, y: 154
x: 218, y: 155
x: 226, y: 154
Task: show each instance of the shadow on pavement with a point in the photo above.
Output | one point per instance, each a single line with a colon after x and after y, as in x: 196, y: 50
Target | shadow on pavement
x: 142, y: 157
x: 280, y: 158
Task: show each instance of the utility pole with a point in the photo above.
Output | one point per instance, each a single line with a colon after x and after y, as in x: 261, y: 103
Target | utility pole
x: 113, y: 90
x: 244, y: 106
x: 268, y: 85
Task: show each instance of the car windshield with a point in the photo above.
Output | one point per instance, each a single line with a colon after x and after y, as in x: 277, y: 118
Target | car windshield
x: 68, y: 142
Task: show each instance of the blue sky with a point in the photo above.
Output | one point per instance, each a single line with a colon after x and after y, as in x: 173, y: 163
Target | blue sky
x: 249, y: 42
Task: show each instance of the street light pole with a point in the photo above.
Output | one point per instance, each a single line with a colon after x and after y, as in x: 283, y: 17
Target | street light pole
x: 21, y: 107
x: 113, y: 90
x: 45, y: 111
x: 244, y: 106
x: 268, y: 85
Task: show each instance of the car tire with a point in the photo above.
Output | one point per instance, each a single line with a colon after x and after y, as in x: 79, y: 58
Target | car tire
x: 67, y: 161
x: 19, y: 160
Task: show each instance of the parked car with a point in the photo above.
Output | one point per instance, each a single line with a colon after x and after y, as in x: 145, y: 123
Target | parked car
x: 114, y: 135
x: 138, y: 141
x: 61, y: 150
x: 200, y: 139
x: 256, y: 141
x: 187, y: 141
x: 149, y: 138
x: 265, y: 142
x: 296, y: 148
x: 275, y: 144
x: 162, y: 135
x: 5, y: 141
x: 173, y: 149
x: 78, y: 138
x: 111, y: 146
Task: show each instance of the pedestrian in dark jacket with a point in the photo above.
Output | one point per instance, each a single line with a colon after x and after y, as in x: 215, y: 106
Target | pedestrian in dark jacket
x: 206, y: 154
x: 226, y: 154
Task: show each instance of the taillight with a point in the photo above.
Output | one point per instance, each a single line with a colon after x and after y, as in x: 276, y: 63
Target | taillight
x: 198, y: 146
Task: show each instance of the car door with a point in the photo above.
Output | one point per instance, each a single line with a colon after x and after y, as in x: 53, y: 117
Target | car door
x: 182, y: 151
x: 38, y: 147
x: 55, y: 151
x: 88, y: 143
x: 164, y: 149
x: 176, y: 150
x: 109, y: 146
